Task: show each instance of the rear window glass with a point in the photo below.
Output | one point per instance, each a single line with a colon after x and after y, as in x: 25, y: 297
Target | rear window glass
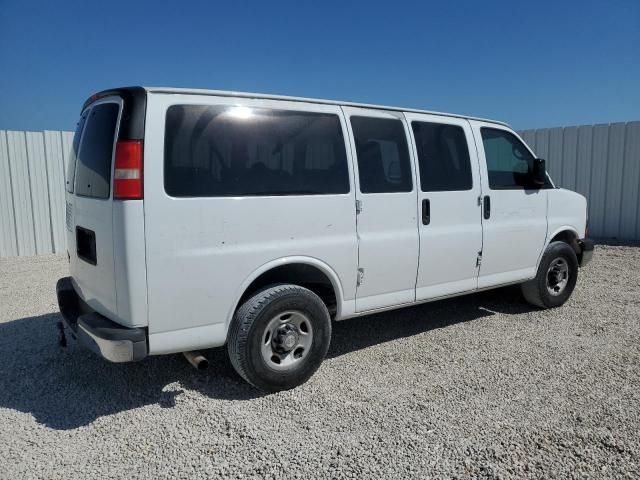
x: 73, y: 155
x: 240, y: 151
x: 93, y: 170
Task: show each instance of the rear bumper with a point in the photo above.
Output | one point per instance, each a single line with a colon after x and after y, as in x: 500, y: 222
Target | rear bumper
x: 586, y: 251
x: 108, y: 339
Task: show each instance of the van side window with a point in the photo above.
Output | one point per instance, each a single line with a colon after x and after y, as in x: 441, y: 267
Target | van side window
x: 383, y: 155
x: 508, y: 160
x: 443, y: 157
x: 93, y: 172
x: 220, y: 151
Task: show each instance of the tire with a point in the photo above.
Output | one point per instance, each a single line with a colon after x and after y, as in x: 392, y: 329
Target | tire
x: 548, y: 289
x: 279, y: 337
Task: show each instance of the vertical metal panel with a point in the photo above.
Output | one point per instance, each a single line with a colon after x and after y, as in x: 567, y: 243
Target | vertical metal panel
x: 67, y: 141
x: 613, y: 187
x: 598, y: 179
x: 568, y: 161
x: 20, y: 182
x: 529, y: 137
x: 39, y: 192
x: 583, y: 161
x: 542, y: 143
x: 554, y: 158
x: 630, y: 210
x: 8, y: 243
x: 55, y: 175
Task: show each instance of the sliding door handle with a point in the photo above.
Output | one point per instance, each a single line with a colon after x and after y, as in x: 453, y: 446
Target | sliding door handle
x: 426, y: 212
x: 486, y: 207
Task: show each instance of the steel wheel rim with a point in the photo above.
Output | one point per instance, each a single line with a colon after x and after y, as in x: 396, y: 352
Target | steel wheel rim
x: 286, y: 341
x: 557, y: 276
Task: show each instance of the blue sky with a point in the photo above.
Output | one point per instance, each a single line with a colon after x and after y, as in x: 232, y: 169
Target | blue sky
x: 531, y: 64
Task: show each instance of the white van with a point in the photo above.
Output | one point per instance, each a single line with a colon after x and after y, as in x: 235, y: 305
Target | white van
x: 201, y: 218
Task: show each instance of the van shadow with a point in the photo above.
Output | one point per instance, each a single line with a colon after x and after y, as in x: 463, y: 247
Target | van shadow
x: 68, y: 388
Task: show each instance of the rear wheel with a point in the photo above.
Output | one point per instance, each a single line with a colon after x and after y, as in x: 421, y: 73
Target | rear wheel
x: 556, y: 277
x: 279, y: 337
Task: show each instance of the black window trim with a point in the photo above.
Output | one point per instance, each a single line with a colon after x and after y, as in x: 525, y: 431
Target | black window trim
x: 133, y: 110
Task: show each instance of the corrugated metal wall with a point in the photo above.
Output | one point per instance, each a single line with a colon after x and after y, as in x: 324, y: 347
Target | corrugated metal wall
x: 602, y: 162
x: 32, y: 166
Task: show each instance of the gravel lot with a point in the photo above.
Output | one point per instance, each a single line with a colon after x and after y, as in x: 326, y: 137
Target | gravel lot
x: 481, y: 386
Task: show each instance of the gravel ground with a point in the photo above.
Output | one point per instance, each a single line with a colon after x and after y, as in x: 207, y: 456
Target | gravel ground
x: 481, y: 386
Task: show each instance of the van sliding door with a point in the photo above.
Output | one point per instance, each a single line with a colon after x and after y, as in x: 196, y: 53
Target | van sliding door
x: 386, y: 206
x: 450, y: 216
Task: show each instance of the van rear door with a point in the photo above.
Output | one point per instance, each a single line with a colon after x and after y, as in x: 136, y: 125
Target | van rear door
x: 89, y: 205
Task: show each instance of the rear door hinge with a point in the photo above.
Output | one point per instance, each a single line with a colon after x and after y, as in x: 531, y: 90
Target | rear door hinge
x: 479, y: 259
x: 358, y: 207
x: 360, y: 280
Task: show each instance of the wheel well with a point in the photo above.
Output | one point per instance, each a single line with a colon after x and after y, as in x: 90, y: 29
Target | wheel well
x: 301, y: 274
x: 569, y: 237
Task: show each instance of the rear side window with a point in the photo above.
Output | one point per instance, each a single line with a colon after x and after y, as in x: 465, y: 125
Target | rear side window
x: 93, y: 170
x: 240, y: 151
x: 383, y: 155
x: 443, y: 157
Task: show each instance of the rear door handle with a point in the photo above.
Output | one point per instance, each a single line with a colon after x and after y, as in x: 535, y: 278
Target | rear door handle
x: 487, y: 207
x: 426, y: 212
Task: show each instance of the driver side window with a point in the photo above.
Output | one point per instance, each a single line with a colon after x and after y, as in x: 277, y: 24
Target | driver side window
x: 509, y: 163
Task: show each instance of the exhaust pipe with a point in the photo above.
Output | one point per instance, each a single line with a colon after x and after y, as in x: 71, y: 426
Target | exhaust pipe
x: 196, y: 359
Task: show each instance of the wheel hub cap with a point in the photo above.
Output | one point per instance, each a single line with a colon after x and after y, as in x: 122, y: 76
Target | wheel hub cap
x: 287, y: 340
x: 557, y: 276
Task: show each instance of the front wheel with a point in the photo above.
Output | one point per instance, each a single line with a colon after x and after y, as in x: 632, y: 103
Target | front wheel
x: 279, y: 337
x: 556, y: 277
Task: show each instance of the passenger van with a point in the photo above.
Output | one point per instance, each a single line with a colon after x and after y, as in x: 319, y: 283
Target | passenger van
x: 200, y: 218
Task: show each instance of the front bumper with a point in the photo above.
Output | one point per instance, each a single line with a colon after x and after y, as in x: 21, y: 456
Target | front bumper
x: 108, y: 339
x: 586, y: 251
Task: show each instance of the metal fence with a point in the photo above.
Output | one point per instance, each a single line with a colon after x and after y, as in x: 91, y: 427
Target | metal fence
x: 602, y: 162
x: 32, y: 192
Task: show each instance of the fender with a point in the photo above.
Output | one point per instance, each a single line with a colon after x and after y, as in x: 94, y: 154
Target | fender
x: 564, y: 228
x: 279, y: 262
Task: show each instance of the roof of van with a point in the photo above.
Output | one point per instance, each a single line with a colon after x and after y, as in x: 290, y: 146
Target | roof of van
x: 224, y: 93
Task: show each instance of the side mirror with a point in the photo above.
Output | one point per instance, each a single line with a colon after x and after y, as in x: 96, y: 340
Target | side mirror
x: 539, y: 173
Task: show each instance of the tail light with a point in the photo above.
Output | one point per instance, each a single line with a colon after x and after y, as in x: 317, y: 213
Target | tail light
x: 127, y: 177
